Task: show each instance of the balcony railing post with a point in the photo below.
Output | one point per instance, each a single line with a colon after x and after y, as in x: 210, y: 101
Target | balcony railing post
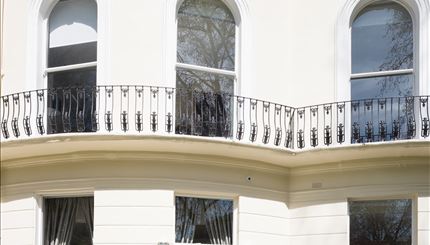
x: 5, y: 116
x: 424, y: 116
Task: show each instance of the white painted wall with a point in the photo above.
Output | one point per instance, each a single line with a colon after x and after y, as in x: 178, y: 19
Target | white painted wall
x: 423, y: 220
x: 134, y: 216
x: 18, y: 220
x: 262, y: 221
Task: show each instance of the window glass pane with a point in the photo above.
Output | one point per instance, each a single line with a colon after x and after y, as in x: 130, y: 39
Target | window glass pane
x: 72, y: 33
x: 381, y: 222
x: 206, y: 34
x: 71, y: 101
x: 203, y: 103
x: 207, y: 221
x: 382, y: 39
x: 380, y: 87
x: 375, y: 113
x: 69, y: 221
x: 72, y: 54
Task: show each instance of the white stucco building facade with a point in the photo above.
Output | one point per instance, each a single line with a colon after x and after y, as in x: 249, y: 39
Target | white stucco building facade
x: 141, y: 106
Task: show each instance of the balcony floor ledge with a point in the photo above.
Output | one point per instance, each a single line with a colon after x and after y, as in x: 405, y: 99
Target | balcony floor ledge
x: 20, y: 152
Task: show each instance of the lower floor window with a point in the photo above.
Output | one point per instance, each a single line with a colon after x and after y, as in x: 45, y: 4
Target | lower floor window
x: 68, y: 221
x: 206, y: 221
x: 381, y: 222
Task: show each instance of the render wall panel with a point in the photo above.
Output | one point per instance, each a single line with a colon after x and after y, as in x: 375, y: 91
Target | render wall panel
x: 262, y: 221
x: 318, y: 225
x: 315, y: 209
x: 157, y: 216
x: 133, y: 216
x: 423, y: 237
x: 325, y: 239
x: 24, y: 236
x: 126, y: 234
x: 423, y: 220
x: 254, y: 238
x: 18, y: 216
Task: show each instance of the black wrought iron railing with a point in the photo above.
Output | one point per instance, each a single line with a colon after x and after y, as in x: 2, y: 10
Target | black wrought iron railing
x: 136, y: 109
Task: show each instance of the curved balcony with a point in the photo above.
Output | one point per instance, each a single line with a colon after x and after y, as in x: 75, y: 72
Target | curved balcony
x: 143, y: 110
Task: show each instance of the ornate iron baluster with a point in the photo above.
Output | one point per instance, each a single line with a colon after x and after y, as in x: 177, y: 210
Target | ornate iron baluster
x: 95, y: 108
x: 368, y: 105
x: 197, y: 113
x: 80, y: 109
x: 154, y: 108
x: 395, y: 128
x: 356, y: 124
x: 5, y: 117
x: 301, y: 128
x: 340, y: 122
x: 240, y: 115
x: 40, y: 111
x: 138, y: 115
x: 109, y: 108
x: 66, y: 111
x: 212, y: 99
x: 169, y: 107
x: 382, y: 105
x: 124, y: 107
x: 424, y: 115
x: 410, y: 115
x: 327, y: 124
x: 182, y: 100
x: 278, y: 122
x: 266, y: 122
x: 226, y: 113
x: 313, y: 123
x: 27, y: 113
x: 253, y: 120
x: 15, y: 114
x: 289, y: 125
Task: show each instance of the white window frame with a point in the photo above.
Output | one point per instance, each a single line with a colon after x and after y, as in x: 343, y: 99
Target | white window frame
x: 414, y: 222
x: 72, y: 67
x: 244, y: 80
x: 419, y: 11
x: 37, y: 43
x: 207, y: 195
x: 374, y: 74
x: 233, y: 74
x: 41, y: 196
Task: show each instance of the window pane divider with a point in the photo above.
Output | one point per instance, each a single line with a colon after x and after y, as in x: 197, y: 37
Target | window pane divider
x: 206, y: 69
x: 70, y: 67
x: 382, y: 73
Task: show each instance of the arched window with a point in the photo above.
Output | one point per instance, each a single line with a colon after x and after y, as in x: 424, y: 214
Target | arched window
x: 382, y: 76
x: 205, y: 68
x: 382, y: 52
x: 71, y: 65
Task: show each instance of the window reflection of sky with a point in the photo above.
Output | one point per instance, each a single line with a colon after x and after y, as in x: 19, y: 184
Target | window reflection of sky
x: 382, y: 39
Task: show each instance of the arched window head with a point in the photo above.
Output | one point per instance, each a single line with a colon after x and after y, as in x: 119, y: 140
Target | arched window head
x: 382, y: 52
x: 71, y: 65
x: 206, y: 42
x: 72, y: 33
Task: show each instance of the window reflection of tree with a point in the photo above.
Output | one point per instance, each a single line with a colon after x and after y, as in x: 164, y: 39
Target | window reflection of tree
x: 381, y: 222
x: 206, y: 37
x: 399, y: 30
